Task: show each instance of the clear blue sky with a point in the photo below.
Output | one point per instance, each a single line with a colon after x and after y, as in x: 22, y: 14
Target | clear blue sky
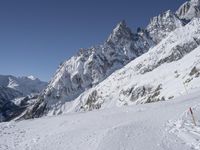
x: 36, y: 35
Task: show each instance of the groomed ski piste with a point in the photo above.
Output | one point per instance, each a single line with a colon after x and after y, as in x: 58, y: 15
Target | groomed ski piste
x: 165, y: 125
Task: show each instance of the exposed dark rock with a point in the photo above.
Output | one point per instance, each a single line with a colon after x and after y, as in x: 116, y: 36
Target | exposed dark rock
x: 188, y: 80
x: 194, y: 71
x: 139, y: 92
x: 154, y: 95
x: 91, y: 101
x: 171, y: 97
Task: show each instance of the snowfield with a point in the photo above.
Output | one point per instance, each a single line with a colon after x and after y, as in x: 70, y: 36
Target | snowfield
x: 151, y: 126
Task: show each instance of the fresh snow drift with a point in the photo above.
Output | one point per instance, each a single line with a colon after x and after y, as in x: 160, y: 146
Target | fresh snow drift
x: 139, y: 127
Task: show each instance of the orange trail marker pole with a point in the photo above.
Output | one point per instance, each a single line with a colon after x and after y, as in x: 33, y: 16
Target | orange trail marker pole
x: 193, y: 116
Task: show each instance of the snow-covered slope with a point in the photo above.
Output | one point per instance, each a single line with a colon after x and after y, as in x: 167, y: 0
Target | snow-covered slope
x: 140, y: 127
x: 185, y: 129
x: 189, y: 10
x: 24, y: 85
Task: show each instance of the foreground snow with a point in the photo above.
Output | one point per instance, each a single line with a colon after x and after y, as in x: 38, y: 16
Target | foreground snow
x: 149, y: 126
x: 184, y: 128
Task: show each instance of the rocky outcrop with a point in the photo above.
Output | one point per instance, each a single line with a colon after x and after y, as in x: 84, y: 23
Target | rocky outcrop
x: 189, y: 10
x: 160, y: 26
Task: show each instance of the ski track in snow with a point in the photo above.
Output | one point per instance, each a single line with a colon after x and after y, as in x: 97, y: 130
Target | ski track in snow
x: 149, y: 126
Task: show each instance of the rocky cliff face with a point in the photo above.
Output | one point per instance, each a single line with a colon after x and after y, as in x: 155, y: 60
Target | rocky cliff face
x: 7, y: 108
x: 160, y: 26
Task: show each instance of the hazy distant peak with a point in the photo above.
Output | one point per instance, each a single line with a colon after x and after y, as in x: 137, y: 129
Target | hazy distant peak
x: 32, y: 77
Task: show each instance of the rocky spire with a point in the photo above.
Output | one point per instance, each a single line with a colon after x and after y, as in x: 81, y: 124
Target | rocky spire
x: 120, y: 31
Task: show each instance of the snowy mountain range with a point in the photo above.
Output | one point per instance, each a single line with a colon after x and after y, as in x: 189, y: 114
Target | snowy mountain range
x: 129, y: 68
x: 17, y: 90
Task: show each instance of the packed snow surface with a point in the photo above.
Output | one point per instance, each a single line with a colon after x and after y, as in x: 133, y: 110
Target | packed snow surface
x: 139, y: 127
x: 185, y: 128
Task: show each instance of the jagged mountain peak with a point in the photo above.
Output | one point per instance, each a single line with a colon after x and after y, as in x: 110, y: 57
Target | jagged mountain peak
x: 121, y: 24
x: 90, y: 67
x: 120, y: 31
x: 189, y: 10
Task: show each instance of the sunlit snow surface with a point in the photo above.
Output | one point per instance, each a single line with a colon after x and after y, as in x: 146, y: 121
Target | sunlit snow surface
x: 140, y: 127
x: 185, y: 128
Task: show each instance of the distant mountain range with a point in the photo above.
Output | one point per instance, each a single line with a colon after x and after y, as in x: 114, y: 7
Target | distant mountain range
x: 15, y: 93
x: 24, y: 85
